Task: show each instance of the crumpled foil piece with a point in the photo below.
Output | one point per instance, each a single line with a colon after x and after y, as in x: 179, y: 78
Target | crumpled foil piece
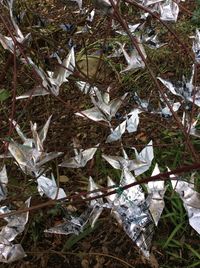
x: 104, y: 109
x: 81, y: 157
x: 156, y: 190
x: 31, y: 155
x: 131, y: 211
x: 6, y: 41
x: 75, y: 225
x: 196, y: 46
x: 134, y: 61
x: 186, y: 90
x: 15, y: 225
x: 139, y: 165
x: 191, y: 201
x: 49, y: 188
x: 52, y: 81
x: 3, y: 183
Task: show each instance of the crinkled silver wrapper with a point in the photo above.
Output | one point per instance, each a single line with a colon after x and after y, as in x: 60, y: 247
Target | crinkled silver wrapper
x: 150, y: 38
x: 133, y: 121
x: 10, y: 252
x: 138, y: 225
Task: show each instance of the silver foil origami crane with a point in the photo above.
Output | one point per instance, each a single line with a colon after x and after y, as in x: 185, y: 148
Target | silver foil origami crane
x: 86, y: 88
x: 104, y: 5
x: 191, y: 201
x: 79, y: 3
x: 104, y: 109
x: 117, y: 133
x: 131, y: 211
x: 196, y: 46
x: 130, y: 124
x: 134, y: 61
x: 156, y: 190
x: 10, y: 252
x: 30, y: 155
x: 49, y: 188
x: 3, y: 183
x: 139, y: 165
x: 186, y: 90
x: 76, y: 225
x: 191, y: 125
x: 51, y: 81
x: 6, y: 41
x: 81, y: 157
x: 168, y: 10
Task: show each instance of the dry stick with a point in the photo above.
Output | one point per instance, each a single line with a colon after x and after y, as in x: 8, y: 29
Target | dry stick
x: 78, y: 198
x: 135, y: 43
x: 13, y: 96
